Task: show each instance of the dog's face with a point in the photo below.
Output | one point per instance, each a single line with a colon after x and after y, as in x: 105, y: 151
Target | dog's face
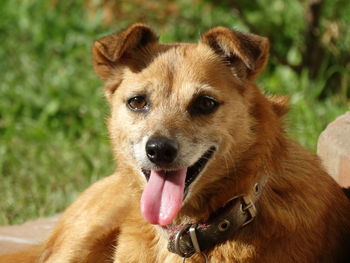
x: 179, y: 113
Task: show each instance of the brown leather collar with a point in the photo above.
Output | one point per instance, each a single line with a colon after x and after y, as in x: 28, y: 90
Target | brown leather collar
x: 185, y: 240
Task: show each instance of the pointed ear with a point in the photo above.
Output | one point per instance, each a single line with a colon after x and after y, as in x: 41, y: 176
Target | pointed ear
x: 122, y: 49
x: 246, y: 54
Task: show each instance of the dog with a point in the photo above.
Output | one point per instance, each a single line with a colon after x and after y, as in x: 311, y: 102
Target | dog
x: 205, y: 170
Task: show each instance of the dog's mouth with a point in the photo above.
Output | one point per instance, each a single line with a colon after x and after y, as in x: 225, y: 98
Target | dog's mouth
x: 165, y: 190
x: 194, y: 170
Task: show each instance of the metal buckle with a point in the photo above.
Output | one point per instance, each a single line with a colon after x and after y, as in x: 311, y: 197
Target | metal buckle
x: 194, y: 240
x: 249, y: 207
x: 177, y: 241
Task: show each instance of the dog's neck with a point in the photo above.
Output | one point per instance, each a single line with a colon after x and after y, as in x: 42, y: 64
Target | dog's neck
x: 238, y: 212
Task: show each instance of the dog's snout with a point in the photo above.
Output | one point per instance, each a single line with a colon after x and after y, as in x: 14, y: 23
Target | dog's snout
x: 161, y: 150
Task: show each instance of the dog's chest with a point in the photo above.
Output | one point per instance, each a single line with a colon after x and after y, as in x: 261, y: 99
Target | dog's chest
x: 141, y: 242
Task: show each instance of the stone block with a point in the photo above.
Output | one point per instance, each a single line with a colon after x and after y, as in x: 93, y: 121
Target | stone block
x: 334, y: 149
x: 18, y: 237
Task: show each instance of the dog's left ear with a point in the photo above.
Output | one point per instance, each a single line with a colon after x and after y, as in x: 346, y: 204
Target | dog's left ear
x: 246, y: 54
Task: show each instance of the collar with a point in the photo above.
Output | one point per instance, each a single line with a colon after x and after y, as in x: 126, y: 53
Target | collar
x: 185, y: 240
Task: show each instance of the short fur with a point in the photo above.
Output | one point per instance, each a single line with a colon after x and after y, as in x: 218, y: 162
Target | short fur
x: 303, y: 215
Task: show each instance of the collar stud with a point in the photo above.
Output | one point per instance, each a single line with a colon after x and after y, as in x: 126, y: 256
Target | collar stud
x: 224, y: 225
x: 256, y: 188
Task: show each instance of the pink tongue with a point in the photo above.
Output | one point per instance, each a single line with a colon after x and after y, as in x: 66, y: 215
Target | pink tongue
x: 162, y: 197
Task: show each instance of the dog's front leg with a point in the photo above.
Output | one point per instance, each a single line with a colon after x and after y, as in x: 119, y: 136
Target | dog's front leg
x: 90, y: 225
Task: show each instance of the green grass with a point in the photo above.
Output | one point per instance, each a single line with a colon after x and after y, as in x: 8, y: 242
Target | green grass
x: 53, y: 140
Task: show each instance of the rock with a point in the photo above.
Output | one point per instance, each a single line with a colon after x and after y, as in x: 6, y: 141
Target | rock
x: 17, y: 237
x: 334, y: 149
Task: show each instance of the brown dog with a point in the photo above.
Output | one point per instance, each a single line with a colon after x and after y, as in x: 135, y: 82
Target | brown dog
x: 205, y: 170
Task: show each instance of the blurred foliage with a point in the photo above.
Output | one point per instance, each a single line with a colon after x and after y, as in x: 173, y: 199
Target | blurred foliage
x: 53, y: 141
x: 305, y: 35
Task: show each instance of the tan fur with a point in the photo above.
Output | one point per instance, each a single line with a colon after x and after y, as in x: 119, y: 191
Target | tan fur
x: 303, y: 215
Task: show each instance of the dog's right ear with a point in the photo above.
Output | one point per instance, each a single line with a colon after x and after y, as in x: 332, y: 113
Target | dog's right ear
x: 245, y: 54
x: 123, y: 49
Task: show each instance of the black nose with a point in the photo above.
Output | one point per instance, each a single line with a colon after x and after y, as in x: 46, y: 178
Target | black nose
x: 161, y: 150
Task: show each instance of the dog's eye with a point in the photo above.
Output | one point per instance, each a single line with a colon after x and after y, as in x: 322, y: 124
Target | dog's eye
x: 203, y: 105
x: 137, y: 103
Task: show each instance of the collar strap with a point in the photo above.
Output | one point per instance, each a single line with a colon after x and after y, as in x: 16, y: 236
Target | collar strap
x: 185, y: 240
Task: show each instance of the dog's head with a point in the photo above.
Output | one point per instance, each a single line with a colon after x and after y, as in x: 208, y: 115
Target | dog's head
x: 180, y: 113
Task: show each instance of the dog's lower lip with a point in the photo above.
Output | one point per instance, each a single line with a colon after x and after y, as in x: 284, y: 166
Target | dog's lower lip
x: 192, y: 171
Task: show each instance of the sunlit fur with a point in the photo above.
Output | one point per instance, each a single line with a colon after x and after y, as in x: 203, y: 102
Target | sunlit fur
x: 303, y: 216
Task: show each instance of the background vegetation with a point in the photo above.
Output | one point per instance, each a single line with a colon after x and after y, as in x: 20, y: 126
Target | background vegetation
x: 53, y: 141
